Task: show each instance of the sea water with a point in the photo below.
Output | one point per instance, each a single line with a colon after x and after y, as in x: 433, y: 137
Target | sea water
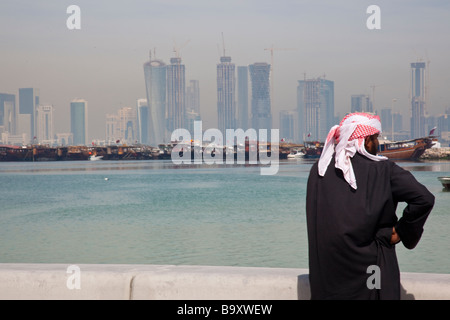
x: 156, y: 212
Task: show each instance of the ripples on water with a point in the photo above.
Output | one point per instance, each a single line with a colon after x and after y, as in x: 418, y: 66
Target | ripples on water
x: 155, y: 212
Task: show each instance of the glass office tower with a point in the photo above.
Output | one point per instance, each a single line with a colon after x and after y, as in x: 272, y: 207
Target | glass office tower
x: 8, y: 112
x: 155, y: 73
x: 226, y: 94
x: 315, y: 106
x: 176, y: 93
x: 78, y: 121
x: 417, y: 100
x: 28, y: 102
x: 261, y: 105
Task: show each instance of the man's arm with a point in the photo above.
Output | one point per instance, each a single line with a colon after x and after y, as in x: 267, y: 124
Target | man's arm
x: 405, y: 188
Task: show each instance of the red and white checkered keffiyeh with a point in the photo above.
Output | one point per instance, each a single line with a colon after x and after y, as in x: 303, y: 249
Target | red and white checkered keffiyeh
x: 346, y: 139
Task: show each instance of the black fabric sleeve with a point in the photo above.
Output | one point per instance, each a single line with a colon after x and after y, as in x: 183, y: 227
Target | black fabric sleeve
x: 405, y: 188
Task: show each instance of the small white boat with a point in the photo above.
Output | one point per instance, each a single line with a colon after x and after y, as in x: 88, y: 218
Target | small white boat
x: 296, y: 155
x: 95, y: 157
x: 445, y: 182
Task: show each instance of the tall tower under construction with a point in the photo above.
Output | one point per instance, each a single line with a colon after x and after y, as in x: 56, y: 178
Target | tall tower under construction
x: 176, y: 93
x: 417, y: 99
x: 315, y: 106
x: 226, y: 94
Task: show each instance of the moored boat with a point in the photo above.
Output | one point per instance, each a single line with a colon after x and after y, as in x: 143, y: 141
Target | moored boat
x: 445, y: 182
x: 95, y: 157
x: 313, y: 149
x: 297, y: 154
x: 407, y: 149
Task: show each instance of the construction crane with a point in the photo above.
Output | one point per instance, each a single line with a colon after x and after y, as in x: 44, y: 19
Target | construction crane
x: 223, y: 44
x: 177, y: 49
x: 154, y: 53
x: 373, y: 94
x: 272, y: 49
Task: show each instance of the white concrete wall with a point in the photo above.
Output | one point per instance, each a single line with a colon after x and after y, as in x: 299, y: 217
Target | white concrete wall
x: 122, y: 282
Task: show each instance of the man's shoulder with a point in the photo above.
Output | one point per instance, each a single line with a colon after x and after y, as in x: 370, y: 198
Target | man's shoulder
x: 380, y: 166
x: 361, y: 158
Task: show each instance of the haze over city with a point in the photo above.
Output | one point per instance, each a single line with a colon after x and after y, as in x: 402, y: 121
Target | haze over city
x: 103, y: 61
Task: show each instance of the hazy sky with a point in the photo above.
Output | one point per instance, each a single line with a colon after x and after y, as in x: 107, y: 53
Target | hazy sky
x: 103, y: 62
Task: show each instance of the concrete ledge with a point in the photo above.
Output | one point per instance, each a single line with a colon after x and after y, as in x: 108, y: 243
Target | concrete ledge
x: 124, y: 282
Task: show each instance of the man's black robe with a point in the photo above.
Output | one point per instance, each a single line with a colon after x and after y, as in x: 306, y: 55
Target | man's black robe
x: 350, y: 230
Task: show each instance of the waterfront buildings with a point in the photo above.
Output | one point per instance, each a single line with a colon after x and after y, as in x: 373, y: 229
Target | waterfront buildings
x: 28, y: 102
x: 122, y: 127
x: 226, y: 94
x: 315, y: 106
x: 45, y: 132
x: 261, y: 106
x: 418, y: 99
x: 79, y: 121
x: 155, y: 73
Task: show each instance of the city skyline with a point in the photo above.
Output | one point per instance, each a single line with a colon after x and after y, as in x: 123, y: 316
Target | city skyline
x: 315, y: 109
x: 102, y: 62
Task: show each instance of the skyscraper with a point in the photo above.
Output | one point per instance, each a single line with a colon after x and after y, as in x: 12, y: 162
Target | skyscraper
x: 176, y: 95
x: 112, y: 128
x: 122, y: 127
x: 242, y: 100
x: 315, y: 107
x: 226, y: 94
x: 79, y: 121
x: 193, y: 97
x: 261, y: 106
x: 8, y: 113
x: 142, y: 120
x: 44, y: 124
x: 28, y: 101
x: 155, y: 72
x: 287, y: 125
x: 417, y: 99
x: 127, y: 125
